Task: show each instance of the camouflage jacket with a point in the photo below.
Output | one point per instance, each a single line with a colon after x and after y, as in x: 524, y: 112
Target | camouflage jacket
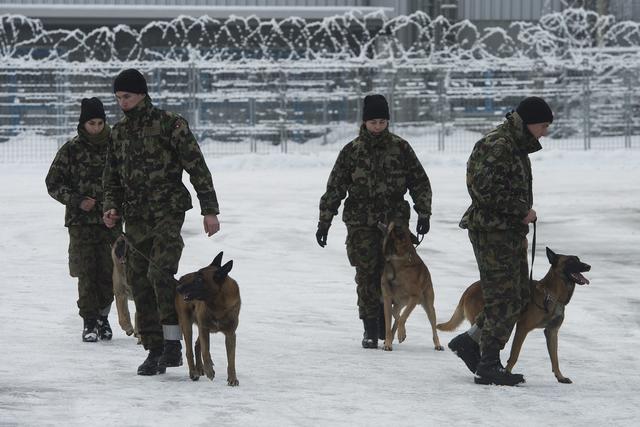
x: 76, y: 173
x: 499, y: 178
x: 376, y: 172
x: 149, y: 150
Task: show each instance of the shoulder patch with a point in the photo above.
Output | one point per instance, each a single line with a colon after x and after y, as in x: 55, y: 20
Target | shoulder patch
x: 498, y: 150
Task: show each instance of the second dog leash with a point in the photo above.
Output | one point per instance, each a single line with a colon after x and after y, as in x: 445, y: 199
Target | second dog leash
x: 533, y: 252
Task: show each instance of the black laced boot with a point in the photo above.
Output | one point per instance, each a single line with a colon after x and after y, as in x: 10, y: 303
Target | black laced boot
x: 90, y: 330
x: 466, y: 349
x: 150, y: 364
x: 104, y: 328
x: 171, y: 354
x: 370, y: 336
x: 490, y: 371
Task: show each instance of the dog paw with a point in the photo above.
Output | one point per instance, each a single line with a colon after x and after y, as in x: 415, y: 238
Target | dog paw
x: 439, y: 348
x: 402, y: 335
x: 194, y: 377
x: 565, y: 380
x: 387, y: 347
x: 209, y: 372
x: 233, y: 382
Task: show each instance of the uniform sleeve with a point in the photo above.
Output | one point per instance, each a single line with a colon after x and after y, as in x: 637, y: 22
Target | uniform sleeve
x: 337, y: 187
x: 112, y: 181
x: 193, y: 162
x: 490, y: 185
x: 58, y: 180
x: 418, y: 183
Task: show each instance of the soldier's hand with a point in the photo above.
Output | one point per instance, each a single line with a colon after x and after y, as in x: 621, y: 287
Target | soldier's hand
x: 87, y: 204
x: 110, y: 218
x: 322, y: 233
x: 423, y: 225
x: 531, y: 217
x: 211, y: 224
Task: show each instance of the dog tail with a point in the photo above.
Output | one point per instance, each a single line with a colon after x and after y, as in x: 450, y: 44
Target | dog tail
x: 456, y: 319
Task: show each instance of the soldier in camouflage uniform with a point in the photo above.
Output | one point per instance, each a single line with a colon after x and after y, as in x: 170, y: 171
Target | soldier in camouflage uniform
x: 499, y: 181
x: 150, y: 149
x: 75, y: 180
x: 376, y: 169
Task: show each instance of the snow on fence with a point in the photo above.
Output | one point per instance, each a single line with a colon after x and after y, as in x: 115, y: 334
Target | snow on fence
x: 247, y: 85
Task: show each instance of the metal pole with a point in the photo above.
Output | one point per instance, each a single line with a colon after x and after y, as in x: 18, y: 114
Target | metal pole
x: 325, y: 112
x: 283, y: 111
x: 193, y: 91
x: 587, y: 105
x: 627, y: 109
x: 252, y: 122
x: 441, y: 116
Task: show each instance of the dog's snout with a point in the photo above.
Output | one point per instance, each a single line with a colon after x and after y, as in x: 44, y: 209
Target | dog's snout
x: 587, y: 267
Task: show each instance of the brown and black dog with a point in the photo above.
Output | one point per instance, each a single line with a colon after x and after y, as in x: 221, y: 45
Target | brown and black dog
x: 546, y: 309
x: 406, y: 282
x: 121, y: 290
x: 211, y: 299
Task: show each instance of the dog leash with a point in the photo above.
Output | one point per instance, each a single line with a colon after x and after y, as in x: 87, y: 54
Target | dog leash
x: 533, y: 252
x: 151, y: 263
x: 547, y: 297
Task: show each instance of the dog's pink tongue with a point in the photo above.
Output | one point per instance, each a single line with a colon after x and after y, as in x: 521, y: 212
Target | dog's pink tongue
x: 580, y: 279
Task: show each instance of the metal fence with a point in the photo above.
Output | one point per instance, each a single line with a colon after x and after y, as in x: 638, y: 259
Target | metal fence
x: 241, y: 110
x: 251, y: 86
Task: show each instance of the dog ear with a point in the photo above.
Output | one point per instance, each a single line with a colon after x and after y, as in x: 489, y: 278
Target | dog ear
x: 552, y: 257
x: 222, y: 272
x: 217, y: 260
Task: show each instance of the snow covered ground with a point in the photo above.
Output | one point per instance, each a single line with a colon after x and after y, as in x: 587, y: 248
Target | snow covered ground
x: 299, y: 358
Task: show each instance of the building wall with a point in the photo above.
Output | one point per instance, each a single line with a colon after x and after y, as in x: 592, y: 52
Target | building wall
x: 82, y: 13
x: 506, y: 10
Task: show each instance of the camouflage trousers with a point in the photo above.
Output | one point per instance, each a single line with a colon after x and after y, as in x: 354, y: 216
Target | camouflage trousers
x: 364, y: 249
x: 154, y: 290
x: 502, y: 261
x: 90, y: 261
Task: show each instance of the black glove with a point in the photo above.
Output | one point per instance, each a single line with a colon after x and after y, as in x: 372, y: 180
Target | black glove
x: 321, y: 234
x: 423, y: 225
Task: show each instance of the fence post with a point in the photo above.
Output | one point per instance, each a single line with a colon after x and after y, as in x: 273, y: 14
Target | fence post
x: 283, y: 111
x: 392, y: 92
x: 627, y: 108
x: 253, y: 146
x: 325, y: 107
x: 441, y: 109
x: 193, y: 93
x: 586, y: 90
x: 61, y: 122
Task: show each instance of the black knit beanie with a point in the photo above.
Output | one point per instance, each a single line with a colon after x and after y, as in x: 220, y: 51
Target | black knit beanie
x: 91, y: 108
x: 375, y: 107
x: 130, y: 81
x: 534, y: 110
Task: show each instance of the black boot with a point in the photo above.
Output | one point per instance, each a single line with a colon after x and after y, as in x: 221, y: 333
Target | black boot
x: 466, y: 349
x: 171, y: 354
x: 104, y: 329
x: 490, y: 371
x: 381, y: 324
x: 90, y: 330
x: 150, y: 364
x: 370, y: 337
